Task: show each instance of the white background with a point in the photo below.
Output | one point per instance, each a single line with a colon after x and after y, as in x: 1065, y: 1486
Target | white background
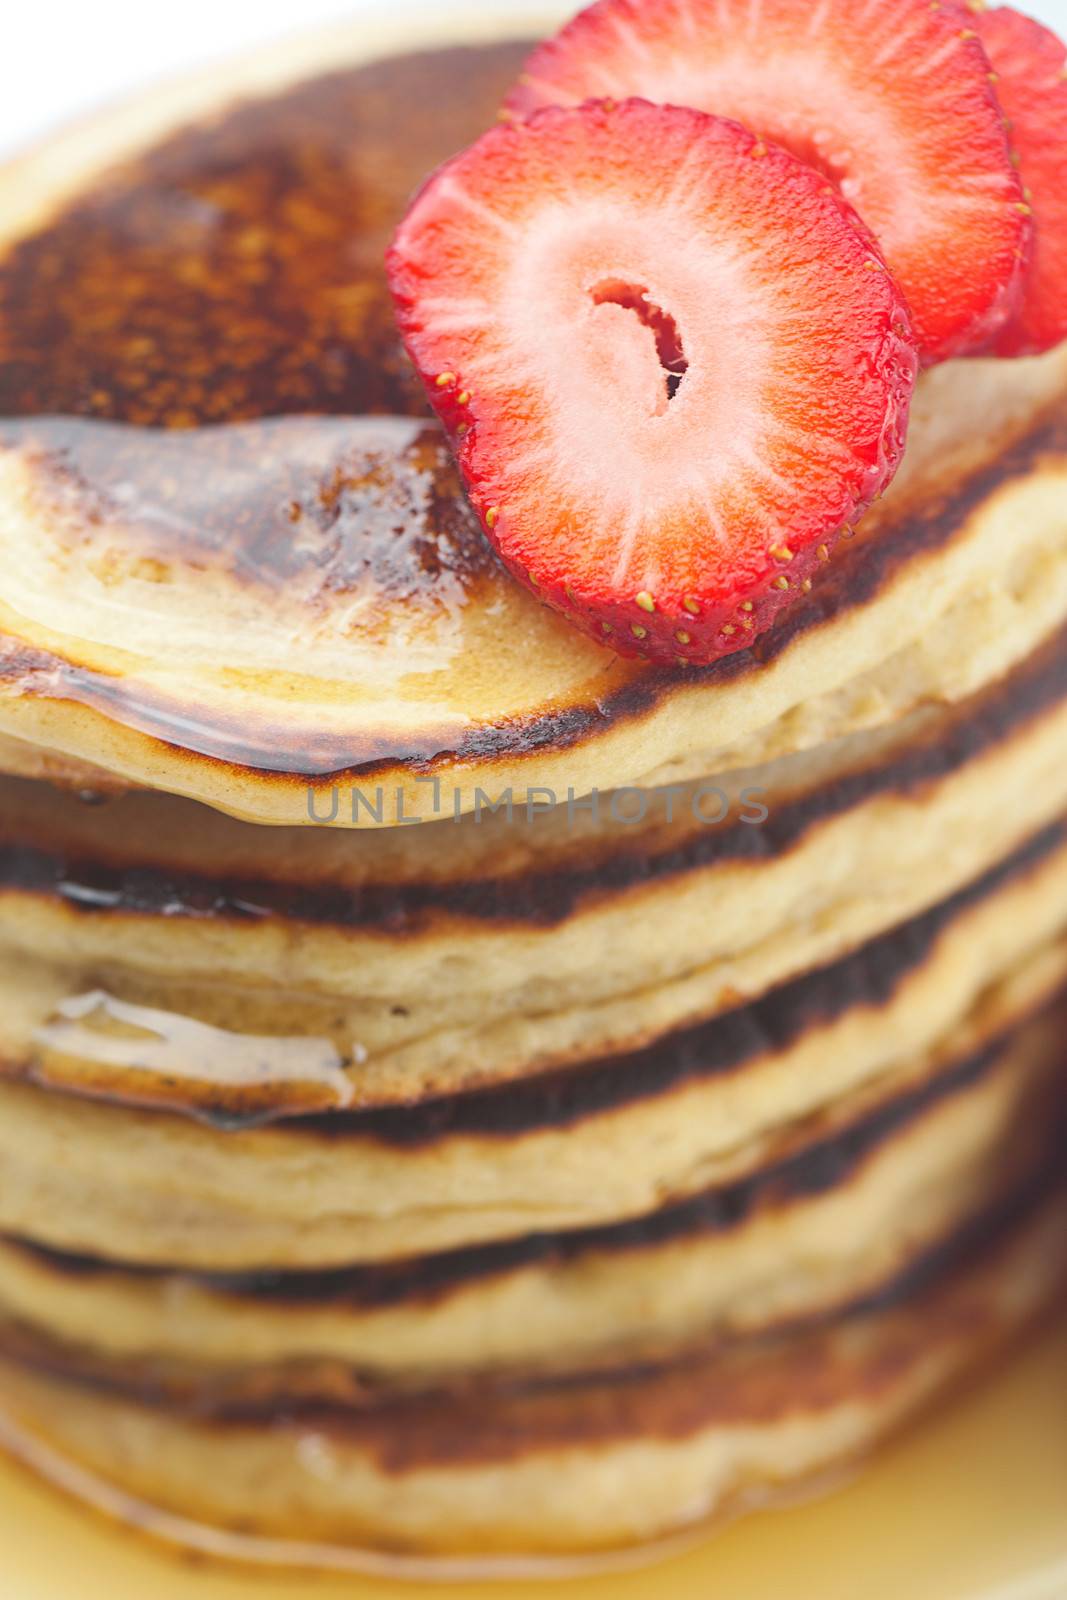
x: 61, y: 57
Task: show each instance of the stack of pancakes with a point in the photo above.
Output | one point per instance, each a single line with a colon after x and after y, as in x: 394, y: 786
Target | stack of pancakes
x: 464, y: 1095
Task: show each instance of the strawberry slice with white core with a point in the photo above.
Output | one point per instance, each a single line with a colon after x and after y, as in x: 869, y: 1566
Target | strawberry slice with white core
x: 671, y: 359
x: 1031, y: 67
x: 892, y: 99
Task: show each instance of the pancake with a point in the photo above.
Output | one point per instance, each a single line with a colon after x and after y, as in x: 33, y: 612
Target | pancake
x: 552, y: 1469
x: 211, y: 435
x: 612, y: 1141
x: 673, y: 1105
x: 467, y: 956
x: 853, y: 1207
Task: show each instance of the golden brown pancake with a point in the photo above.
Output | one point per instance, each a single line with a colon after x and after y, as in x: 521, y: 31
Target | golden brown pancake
x: 580, y: 1465
x: 424, y: 961
x: 572, y: 1165
x: 863, y: 1196
x: 611, y: 1141
x: 238, y: 561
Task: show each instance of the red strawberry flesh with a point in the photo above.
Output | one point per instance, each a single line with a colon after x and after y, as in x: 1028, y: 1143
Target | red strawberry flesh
x: 1031, y: 67
x: 892, y: 99
x: 673, y: 365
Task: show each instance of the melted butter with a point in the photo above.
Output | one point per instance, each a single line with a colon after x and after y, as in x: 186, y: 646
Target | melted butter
x: 97, y: 1044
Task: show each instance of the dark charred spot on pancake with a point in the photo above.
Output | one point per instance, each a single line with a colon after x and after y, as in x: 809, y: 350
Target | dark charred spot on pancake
x: 314, y: 509
x: 236, y: 270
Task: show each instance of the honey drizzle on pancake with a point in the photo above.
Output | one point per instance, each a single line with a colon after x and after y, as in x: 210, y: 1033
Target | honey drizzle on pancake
x: 194, y: 356
x: 330, y: 509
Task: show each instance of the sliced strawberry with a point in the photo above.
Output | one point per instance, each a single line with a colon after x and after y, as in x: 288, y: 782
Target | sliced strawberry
x: 892, y: 99
x: 672, y: 360
x: 1031, y: 67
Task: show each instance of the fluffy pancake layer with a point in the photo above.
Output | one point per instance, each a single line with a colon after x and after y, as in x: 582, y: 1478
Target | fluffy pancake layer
x: 147, y: 513
x: 419, y: 974
x: 859, y: 1200
x: 542, y: 1470
x: 520, y: 1184
x: 591, y: 1146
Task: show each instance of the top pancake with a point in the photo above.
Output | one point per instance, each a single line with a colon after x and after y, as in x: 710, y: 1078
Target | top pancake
x: 237, y: 560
